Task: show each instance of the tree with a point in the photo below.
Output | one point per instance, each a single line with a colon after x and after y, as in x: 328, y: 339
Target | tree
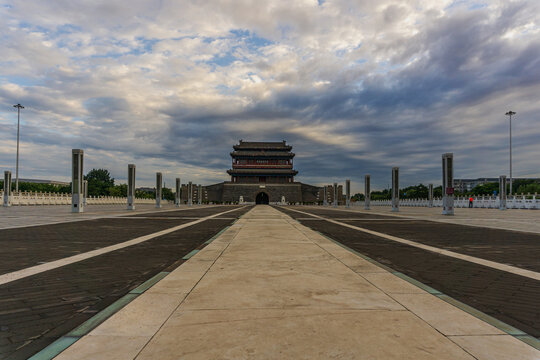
x: 358, y: 197
x: 118, y: 190
x: 485, y: 189
x: 531, y: 188
x: 167, y: 194
x: 99, y: 182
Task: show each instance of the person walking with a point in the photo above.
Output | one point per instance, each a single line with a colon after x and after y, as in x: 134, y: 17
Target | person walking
x: 471, y: 202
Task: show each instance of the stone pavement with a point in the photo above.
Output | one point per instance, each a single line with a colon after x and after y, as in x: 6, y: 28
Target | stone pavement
x: 512, y: 219
x: 271, y: 288
x: 22, y: 216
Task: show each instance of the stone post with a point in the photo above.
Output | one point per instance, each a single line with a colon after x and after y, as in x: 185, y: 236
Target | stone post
x: 85, y: 192
x: 367, y: 192
x: 348, y: 193
x: 395, y: 189
x: 77, y: 178
x: 199, y: 195
x: 131, y: 187
x: 430, y: 195
x: 159, y: 184
x: 190, y: 194
x: 177, y: 198
x: 502, y: 192
x: 7, y: 188
x: 335, y: 202
x: 325, y: 195
x: 448, y: 183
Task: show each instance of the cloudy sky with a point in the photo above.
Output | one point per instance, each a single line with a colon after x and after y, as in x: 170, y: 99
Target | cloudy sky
x: 355, y: 86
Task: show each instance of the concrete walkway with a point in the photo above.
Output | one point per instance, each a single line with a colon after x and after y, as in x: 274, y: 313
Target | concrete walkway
x: 270, y: 288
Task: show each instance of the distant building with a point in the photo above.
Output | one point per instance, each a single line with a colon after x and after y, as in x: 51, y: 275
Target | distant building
x: 466, y: 185
x: 39, y: 181
x: 262, y: 173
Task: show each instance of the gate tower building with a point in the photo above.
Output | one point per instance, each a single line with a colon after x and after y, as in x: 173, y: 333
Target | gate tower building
x: 262, y: 163
x: 262, y: 173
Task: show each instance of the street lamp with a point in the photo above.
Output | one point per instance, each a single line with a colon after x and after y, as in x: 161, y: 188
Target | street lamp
x: 19, y: 107
x: 510, y: 113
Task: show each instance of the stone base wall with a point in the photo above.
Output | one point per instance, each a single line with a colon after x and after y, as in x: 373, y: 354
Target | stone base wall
x: 292, y: 192
x: 229, y: 192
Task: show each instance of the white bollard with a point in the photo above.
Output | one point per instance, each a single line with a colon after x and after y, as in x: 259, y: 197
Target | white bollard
x: 177, y: 197
x: 85, y: 192
x: 367, y: 191
x: 502, y: 192
x: 190, y: 193
x: 77, y: 177
x: 448, y: 183
x: 335, y: 202
x: 7, y: 188
x: 348, y: 193
x: 131, y: 187
x: 159, y: 184
x: 430, y: 195
x: 395, y: 189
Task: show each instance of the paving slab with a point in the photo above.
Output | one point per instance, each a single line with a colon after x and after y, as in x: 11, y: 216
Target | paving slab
x: 280, y: 294
x: 506, y: 296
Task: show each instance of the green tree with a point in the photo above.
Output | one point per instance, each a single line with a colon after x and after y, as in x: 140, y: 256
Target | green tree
x: 414, y: 192
x: 528, y: 188
x: 118, y: 190
x: 485, y: 189
x: 99, y: 182
x: 385, y: 194
x: 167, y: 194
x: 141, y: 194
x: 358, y: 197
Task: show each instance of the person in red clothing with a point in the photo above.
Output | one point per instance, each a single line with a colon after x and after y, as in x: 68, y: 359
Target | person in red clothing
x: 471, y: 202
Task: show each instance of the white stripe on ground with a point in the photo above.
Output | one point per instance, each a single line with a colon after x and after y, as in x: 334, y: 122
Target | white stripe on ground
x: 84, y: 216
x: 492, y: 264
x: 20, y: 274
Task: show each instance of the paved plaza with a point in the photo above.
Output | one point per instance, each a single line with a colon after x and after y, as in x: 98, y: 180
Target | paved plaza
x: 267, y: 282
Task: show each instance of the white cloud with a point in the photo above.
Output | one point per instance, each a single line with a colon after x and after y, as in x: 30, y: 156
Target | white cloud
x: 378, y: 82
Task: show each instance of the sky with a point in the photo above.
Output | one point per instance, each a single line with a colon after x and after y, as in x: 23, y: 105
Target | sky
x: 356, y: 87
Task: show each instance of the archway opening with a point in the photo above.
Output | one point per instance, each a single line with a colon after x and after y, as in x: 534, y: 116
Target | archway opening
x: 262, y: 198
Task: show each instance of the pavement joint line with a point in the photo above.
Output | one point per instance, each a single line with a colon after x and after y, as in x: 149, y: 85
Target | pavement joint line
x: 190, y: 254
x: 488, y: 263
x: 438, y: 220
x: 104, y: 216
x: 219, y: 233
x: 501, y: 325
x: 55, y: 348
x: 198, y: 281
x: 149, y: 283
x: 61, y: 344
x: 33, y: 270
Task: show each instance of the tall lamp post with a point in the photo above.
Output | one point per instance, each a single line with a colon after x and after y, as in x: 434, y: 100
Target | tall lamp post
x: 19, y: 107
x: 510, y: 113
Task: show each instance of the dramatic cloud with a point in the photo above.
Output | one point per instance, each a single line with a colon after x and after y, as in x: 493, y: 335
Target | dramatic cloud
x: 356, y: 88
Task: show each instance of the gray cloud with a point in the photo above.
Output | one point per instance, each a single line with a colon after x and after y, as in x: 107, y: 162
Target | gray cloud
x: 355, y: 89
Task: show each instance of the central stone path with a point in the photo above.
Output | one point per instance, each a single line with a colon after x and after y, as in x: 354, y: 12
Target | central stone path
x: 271, y: 288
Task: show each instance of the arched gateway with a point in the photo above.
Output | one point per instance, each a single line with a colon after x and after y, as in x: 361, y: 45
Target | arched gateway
x: 262, y: 198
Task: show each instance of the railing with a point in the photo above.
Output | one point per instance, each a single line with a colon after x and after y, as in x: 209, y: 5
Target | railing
x: 486, y: 202
x: 24, y: 198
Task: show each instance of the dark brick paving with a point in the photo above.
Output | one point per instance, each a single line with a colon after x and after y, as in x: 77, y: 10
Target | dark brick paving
x: 25, y: 247
x: 37, y: 310
x: 30, y: 246
x: 502, y: 246
x: 191, y: 212
x: 510, y: 298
